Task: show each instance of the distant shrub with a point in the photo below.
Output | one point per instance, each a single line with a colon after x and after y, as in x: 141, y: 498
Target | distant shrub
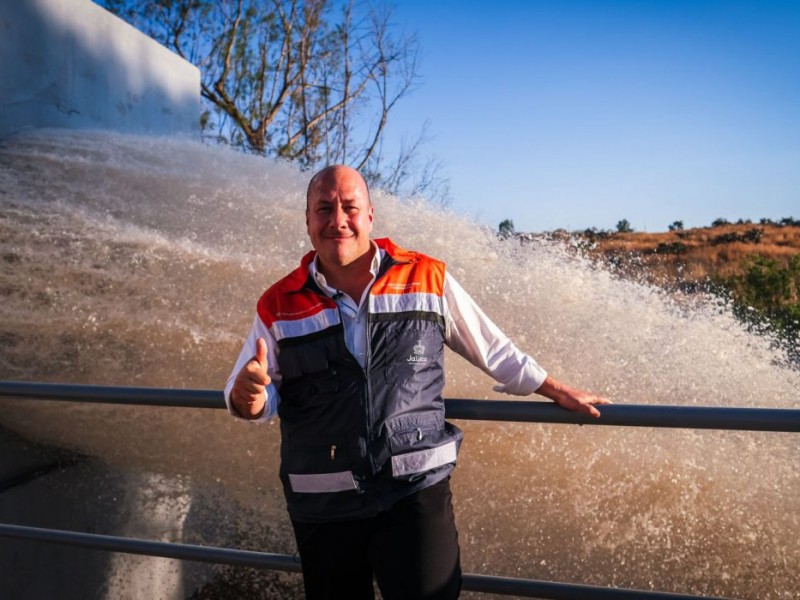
x: 506, y: 228
x: 676, y: 226
x: 624, y: 226
x: 671, y: 248
x: 725, y: 238
x: 784, y: 222
x: 752, y: 236
x: 720, y: 222
x: 593, y: 233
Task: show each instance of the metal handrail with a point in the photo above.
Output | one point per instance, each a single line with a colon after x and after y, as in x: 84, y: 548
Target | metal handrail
x: 696, y: 417
x: 526, y: 588
x: 524, y: 411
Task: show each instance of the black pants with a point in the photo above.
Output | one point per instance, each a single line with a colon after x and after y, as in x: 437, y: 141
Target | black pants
x: 411, y: 550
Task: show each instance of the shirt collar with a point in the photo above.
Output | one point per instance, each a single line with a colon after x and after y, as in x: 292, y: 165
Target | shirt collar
x: 319, y: 278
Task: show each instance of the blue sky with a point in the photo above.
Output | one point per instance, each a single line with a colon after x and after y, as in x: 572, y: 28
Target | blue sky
x: 576, y: 114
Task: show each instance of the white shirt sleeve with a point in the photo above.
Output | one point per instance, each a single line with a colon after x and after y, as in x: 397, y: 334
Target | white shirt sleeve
x: 470, y: 333
x: 258, y: 330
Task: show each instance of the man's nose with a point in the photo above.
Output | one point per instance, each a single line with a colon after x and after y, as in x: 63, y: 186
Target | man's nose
x: 339, y: 217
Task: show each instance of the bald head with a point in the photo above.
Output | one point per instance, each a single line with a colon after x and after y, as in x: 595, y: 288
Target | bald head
x: 330, y: 176
x: 339, y: 218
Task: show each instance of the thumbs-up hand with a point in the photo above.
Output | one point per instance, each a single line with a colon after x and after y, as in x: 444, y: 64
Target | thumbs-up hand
x: 249, y: 388
x: 261, y: 354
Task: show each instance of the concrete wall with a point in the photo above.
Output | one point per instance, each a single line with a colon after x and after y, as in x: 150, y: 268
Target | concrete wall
x: 72, y: 64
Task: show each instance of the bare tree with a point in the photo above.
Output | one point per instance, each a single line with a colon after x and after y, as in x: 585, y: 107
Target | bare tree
x: 313, y: 81
x: 409, y: 173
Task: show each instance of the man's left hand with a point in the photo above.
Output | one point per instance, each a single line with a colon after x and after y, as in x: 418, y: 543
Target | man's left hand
x: 571, y: 398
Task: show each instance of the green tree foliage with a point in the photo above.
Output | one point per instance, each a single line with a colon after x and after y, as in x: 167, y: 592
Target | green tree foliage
x: 312, y: 81
x: 770, y: 290
x: 767, y: 285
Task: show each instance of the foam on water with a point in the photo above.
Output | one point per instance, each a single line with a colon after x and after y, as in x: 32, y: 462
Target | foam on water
x: 138, y: 261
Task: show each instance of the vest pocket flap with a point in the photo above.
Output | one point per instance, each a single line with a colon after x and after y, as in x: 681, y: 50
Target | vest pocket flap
x: 415, y: 430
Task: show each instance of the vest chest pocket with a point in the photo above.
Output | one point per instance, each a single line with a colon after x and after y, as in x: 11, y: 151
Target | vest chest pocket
x: 307, y: 372
x: 298, y: 360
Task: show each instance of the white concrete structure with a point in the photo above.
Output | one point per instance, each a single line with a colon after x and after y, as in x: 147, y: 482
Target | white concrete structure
x: 72, y: 64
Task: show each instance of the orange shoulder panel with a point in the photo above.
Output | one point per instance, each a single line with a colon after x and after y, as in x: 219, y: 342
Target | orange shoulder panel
x: 416, y: 273
x: 286, y: 300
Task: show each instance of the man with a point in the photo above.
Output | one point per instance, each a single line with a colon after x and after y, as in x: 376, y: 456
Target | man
x: 348, y: 351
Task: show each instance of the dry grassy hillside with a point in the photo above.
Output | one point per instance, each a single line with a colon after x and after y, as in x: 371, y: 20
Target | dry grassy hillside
x: 696, y: 255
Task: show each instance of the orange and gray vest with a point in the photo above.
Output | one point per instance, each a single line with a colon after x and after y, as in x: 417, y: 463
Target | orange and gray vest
x: 355, y: 440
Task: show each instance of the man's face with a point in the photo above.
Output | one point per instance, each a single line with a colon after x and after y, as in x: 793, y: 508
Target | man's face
x: 339, y: 217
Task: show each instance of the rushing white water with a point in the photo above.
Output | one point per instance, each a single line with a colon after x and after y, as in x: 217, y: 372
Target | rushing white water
x: 138, y: 261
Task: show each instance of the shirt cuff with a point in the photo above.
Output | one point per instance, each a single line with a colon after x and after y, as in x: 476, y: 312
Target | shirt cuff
x: 525, y: 381
x: 270, y: 408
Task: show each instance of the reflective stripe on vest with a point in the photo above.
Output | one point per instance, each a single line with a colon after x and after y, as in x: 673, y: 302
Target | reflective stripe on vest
x: 323, y: 319
x: 423, y: 460
x: 406, y: 302
x: 405, y: 464
x: 321, y: 483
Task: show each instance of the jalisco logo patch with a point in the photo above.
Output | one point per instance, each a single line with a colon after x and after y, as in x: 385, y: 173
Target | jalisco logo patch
x: 418, y: 356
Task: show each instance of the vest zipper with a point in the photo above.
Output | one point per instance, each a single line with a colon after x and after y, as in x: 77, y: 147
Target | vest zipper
x: 365, y: 373
x: 368, y: 399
